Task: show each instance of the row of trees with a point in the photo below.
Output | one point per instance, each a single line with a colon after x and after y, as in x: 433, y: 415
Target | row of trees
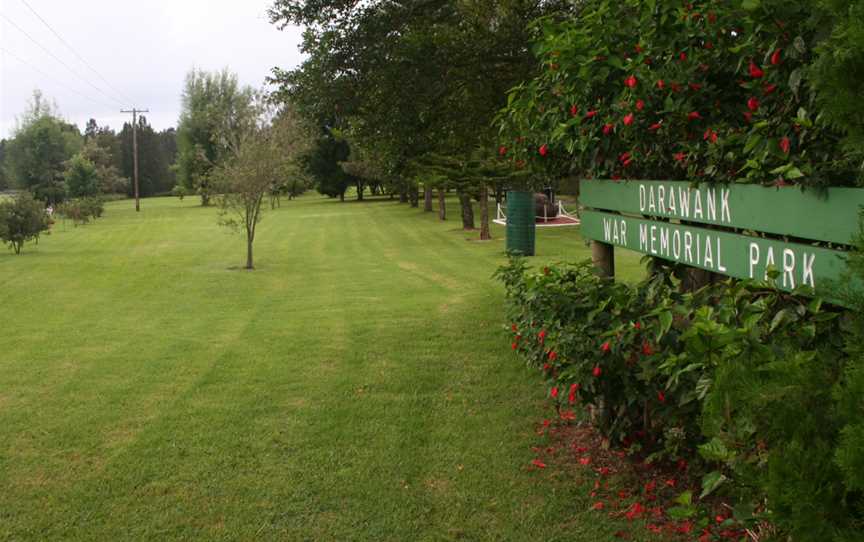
x: 396, y: 86
x: 51, y: 158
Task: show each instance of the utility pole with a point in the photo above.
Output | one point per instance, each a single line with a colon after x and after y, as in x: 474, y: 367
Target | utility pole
x: 135, y: 149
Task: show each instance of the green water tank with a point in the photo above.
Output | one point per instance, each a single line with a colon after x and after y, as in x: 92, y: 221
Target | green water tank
x: 520, y: 222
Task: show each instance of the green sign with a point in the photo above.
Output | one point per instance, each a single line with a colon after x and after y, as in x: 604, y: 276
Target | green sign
x: 741, y: 256
x: 826, y: 216
x: 735, y: 230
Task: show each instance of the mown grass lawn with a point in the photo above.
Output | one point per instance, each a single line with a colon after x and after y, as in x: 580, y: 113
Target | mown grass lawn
x: 357, y: 386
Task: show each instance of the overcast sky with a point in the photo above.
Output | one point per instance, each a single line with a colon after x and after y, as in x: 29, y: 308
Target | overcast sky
x: 142, y: 49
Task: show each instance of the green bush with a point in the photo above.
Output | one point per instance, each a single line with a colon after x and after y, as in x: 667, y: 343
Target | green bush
x: 22, y: 219
x: 718, y: 91
x: 81, y: 210
x: 758, y: 389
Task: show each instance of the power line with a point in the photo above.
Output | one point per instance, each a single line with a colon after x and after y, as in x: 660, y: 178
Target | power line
x: 55, y: 57
x: 74, y: 52
x: 51, y: 77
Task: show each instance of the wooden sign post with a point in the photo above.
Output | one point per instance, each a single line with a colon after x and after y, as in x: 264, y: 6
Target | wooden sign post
x: 735, y: 230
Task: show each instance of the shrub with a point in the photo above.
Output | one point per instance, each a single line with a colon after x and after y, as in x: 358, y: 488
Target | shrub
x: 719, y: 91
x: 80, y: 211
x: 22, y: 219
x: 759, y: 389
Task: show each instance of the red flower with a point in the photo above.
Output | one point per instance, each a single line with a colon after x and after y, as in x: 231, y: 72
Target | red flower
x: 606, y: 347
x: 650, y: 486
x: 625, y: 156
x: 597, y: 371
x: 755, y: 71
x: 572, y: 396
x: 679, y: 156
x: 784, y: 145
x: 585, y: 461
x: 660, y: 84
x: 607, y: 129
x: 656, y: 126
x: 628, y: 119
x: 598, y: 506
x: 546, y: 367
x: 539, y: 464
x: 502, y: 150
x: 712, y: 17
x: 554, y: 392
x: 518, y: 337
x: 590, y: 114
x: 568, y: 415
x: 710, y: 135
x: 638, y: 48
x: 695, y: 87
x: 514, y: 327
x: 676, y: 87
x: 646, y: 348
x: 753, y: 104
x: 661, y: 396
x: 541, y: 335
x: 552, y: 355
x: 640, y: 105
x: 514, y: 346
x: 748, y: 116
x: 637, y: 325
x: 544, y: 150
x: 709, y: 45
x: 574, y: 110
x: 693, y: 115
x: 635, y: 511
x: 775, y: 57
x: 631, y: 81
x: 683, y: 57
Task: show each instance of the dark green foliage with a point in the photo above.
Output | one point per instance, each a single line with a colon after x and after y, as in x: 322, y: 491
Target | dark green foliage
x: 4, y: 181
x: 156, y: 154
x: 665, y: 89
x: 81, y: 177
x: 767, y: 387
x: 838, y: 71
x: 22, y: 219
x: 321, y: 164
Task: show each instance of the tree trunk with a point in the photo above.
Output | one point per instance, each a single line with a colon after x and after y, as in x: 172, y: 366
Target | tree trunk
x: 249, y: 254
x: 485, y: 234
x: 360, y: 190
x: 442, y: 205
x: 427, y: 198
x: 414, y: 196
x: 467, y: 211
x: 403, y: 194
x: 342, y: 196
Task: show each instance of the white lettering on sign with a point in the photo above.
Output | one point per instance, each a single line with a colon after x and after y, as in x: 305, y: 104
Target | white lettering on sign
x: 793, y: 266
x: 708, y: 204
x: 615, y: 231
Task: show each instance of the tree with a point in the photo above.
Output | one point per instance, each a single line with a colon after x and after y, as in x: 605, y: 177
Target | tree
x: 22, y: 219
x: 213, y: 108
x: 108, y: 175
x: 4, y: 182
x: 263, y: 153
x: 155, y: 156
x: 82, y: 179
x: 321, y: 164
x: 40, y: 146
x: 412, y: 78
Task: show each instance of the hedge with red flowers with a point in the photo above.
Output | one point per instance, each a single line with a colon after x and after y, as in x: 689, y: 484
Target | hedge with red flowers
x: 763, y: 391
x: 711, y: 90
